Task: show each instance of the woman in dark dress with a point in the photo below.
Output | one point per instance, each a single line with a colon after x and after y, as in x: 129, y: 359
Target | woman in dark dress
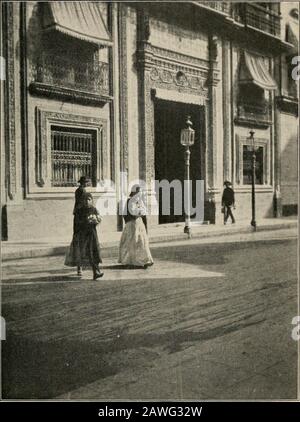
x: 85, y: 248
x: 79, y: 203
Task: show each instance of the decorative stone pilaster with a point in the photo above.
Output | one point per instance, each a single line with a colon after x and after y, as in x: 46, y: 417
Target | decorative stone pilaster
x: 213, y: 200
x: 123, y: 71
x: 146, y: 125
x: 9, y: 96
x: 111, y: 66
x: 146, y: 110
x: 277, y: 137
x: 115, y: 110
x: 146, y: 128
x: 227, y: 110
x: 277, y: 165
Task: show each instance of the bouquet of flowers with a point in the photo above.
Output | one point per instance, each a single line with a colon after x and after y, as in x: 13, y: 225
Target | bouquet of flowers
x: 94, y: 219
x: 137, y: 207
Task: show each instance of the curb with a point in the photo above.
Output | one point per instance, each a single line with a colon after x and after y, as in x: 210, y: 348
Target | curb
x: 111, y: 248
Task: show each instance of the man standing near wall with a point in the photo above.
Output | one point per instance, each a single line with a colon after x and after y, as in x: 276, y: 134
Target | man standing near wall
x: 228, y: 202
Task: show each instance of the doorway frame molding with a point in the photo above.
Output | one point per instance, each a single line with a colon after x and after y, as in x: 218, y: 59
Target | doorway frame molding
x: 170, y: 74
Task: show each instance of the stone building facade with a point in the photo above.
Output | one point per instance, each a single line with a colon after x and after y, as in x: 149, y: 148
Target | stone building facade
x: 104, y: 89
x: 287, y: 130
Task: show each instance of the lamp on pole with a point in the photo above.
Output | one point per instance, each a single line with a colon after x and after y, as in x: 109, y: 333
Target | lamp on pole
x: 187, y: 139
x: 253, y: 149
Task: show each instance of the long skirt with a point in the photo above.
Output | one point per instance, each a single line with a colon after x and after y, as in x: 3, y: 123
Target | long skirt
x: 134, y: 244
x: 84, y: 250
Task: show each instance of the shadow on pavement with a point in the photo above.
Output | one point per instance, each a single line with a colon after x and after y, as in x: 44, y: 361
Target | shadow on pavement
x: 212, y: 253
x: 47, y: 369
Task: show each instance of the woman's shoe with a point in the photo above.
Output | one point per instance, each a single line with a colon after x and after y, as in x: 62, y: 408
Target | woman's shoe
x: 148, y: 265
x: 98, y: 275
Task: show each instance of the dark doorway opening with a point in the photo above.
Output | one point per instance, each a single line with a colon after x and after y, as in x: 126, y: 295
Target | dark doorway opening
x: 170, y: 118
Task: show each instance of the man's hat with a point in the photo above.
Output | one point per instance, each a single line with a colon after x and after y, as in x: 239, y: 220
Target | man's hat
x: 227, y: 183
x: 83, y: 179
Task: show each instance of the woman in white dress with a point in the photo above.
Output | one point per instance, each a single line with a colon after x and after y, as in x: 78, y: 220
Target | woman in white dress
x: 134, y: 248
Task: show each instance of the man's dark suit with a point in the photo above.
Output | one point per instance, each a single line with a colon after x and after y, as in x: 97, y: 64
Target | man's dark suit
x: 228, y: 201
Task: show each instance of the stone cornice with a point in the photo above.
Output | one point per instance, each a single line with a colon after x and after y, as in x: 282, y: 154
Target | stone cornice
x: 149, y: 55
x: 66, y: 94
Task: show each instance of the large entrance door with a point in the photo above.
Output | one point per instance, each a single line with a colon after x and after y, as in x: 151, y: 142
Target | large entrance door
x: 170, y: 118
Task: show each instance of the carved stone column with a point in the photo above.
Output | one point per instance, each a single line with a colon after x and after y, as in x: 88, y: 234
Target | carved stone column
x: 213, y: 161
x: 123, y: 78
x: 146, y: 110
x: 227, y: 110
x: 115, y: 106
x: 277, y: 165
x: 277, y: 147
x: 146, y: 128
x: 9, y: 99
x: 121, y: 105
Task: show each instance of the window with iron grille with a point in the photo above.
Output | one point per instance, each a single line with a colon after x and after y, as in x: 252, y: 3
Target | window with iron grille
x: 247, y: 165
x: 73, y: 154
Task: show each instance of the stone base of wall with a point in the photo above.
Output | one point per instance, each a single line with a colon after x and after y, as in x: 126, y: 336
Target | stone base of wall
x: 46, y: 219
x: 243, y: 211
x: 264, y: 207
x: 288, y: 210
x: 289, y: 194
x: 53, y: 219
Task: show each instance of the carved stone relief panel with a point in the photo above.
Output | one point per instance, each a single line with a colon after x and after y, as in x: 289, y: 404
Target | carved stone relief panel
x: 174, y: 69
x: 177, y: 79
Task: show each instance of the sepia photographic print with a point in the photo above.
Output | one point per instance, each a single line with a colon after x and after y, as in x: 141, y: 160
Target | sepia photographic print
x: 149, y: 202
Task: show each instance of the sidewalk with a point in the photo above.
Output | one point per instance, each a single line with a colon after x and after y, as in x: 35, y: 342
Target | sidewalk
x: 164, y: 233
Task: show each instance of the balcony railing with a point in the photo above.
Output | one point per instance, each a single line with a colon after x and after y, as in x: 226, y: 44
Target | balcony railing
x: 259, y: 113
x: 63, y: 72
x: 261, y: 18
x: 218, y: 6
x: 250, y: 14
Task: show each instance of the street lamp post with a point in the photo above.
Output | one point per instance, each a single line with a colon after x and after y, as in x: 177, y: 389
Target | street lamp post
x: 253, y: 221
x: 187, y: 138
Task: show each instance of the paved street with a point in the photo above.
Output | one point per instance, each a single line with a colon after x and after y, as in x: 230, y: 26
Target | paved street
x: 210, y: 320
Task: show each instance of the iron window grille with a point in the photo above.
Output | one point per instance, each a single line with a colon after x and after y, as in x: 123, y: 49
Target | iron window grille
x: 73, y: 154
